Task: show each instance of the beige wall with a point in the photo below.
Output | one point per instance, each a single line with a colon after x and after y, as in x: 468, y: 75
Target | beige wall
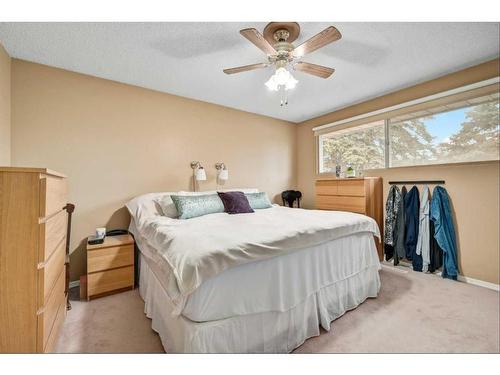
x: 116, y: 141
x: 472, y: 185
x: 5, y: 63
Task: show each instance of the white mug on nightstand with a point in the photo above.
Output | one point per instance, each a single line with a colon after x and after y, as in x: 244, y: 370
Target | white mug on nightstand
x: 100, y: 232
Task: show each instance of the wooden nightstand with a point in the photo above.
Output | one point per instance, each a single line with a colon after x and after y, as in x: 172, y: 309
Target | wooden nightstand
x: 110, y: 266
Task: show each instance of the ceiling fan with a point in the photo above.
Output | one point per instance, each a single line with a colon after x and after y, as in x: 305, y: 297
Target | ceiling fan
x: 276, y: 43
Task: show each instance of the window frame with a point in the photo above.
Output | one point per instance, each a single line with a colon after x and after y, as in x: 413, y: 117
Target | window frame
x: 484, y: 88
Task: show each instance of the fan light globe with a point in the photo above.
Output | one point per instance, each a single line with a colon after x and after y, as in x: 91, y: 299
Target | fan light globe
x: 282, y: 77
x: 271, y: 84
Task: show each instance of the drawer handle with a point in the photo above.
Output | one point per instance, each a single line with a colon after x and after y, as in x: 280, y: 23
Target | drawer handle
x: 43, y: 264
x: 44, y: 219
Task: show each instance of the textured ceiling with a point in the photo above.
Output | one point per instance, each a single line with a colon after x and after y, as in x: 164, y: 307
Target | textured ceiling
x: 187, y: 59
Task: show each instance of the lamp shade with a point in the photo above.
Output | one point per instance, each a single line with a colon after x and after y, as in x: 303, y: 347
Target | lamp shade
x: 200, y: 174
x: 223, y: 174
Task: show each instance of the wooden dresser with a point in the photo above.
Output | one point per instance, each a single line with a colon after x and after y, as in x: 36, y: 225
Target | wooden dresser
x: 361, y: 195
x: 33, y: 226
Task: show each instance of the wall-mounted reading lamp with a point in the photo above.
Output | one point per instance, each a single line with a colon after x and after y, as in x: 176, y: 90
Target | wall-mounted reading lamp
x: 198, y: 173
x: 222, y: 173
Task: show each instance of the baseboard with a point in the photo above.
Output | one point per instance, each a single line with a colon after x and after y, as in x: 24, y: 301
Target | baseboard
x: 405, y: 267
x: 484, y: 284
x: 73, y: 284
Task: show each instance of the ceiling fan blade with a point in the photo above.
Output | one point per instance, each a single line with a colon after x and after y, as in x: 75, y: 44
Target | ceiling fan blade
x: 327, y: 36
x: 315, y: 70
x: 245, y: 68
x: 256, y: 38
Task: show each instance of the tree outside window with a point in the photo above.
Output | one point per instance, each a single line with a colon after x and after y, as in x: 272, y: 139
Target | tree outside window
x: 469, y: 133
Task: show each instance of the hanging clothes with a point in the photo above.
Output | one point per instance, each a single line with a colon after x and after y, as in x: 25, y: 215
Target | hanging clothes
x: 399, y: 243
x: 412, y: 213
x: 444, y: 233
x: 436, y: 253
x: 392, y: 206
x: 400, y: 246
x: 423, y: 243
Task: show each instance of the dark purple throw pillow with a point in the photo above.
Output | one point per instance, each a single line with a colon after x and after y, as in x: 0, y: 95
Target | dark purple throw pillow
x: 235, y: 202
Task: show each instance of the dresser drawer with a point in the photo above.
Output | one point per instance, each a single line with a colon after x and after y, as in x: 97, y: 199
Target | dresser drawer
x: 52, y: 232
x: 48, y: 314
x: 351, y: 188
x: 110, y: 257
x: 56, y: 328
x: 326, y: 187
x: 49, y: 272
x: 53, y: 195
x: 340, y: 203
x: 108, y: 281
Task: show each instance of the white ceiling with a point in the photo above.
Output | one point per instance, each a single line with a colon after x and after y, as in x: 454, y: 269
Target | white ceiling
x: 187, y: 59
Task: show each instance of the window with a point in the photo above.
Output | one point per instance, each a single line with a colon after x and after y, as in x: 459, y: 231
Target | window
x: 361, y: 147
x: 461, y: 131
x: 467, y: 133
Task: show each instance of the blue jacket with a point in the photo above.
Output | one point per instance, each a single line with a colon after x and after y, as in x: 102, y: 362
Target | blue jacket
x: 444, y: 232
x: 412, y: 213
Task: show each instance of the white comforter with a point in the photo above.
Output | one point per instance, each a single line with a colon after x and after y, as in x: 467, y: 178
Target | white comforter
x: 200, y: 248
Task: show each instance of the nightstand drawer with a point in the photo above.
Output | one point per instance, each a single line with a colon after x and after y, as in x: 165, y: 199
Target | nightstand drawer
x: 110, y: 257
x: 111, y: 280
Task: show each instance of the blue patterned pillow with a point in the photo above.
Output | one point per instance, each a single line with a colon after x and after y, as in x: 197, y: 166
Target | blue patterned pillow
x: 189, y: 206
x: 258, y: 200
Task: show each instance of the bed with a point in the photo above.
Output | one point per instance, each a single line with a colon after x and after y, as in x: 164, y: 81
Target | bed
x: 251, y: 283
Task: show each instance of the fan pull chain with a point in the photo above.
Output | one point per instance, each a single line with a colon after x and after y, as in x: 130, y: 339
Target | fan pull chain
x: 284, y: 96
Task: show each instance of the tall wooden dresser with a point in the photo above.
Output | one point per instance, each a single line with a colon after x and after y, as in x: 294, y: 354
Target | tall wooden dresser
x: 33, y: 226
x: 361, y: 195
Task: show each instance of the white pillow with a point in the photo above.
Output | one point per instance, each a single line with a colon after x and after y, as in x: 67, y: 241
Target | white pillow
x: 144, y: 205
x: 167, y: 205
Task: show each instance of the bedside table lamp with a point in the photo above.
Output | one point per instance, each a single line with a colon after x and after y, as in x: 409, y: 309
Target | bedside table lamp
x: 198, y: 173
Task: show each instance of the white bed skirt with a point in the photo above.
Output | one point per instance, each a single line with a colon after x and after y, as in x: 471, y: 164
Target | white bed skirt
x: 270, y: 332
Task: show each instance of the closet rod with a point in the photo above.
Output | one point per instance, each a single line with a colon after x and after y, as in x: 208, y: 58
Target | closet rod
x: 419, y: 182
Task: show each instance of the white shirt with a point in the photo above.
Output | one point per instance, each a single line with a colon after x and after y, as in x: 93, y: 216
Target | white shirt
x: 423, y: 242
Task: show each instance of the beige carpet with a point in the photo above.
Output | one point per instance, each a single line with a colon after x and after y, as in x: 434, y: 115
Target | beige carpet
x: 413, y: 313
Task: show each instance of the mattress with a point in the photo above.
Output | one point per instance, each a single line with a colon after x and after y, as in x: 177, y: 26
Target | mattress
x: 271, y: 285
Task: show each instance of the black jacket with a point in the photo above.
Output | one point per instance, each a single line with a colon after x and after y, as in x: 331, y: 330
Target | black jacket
x: 412, y: 216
